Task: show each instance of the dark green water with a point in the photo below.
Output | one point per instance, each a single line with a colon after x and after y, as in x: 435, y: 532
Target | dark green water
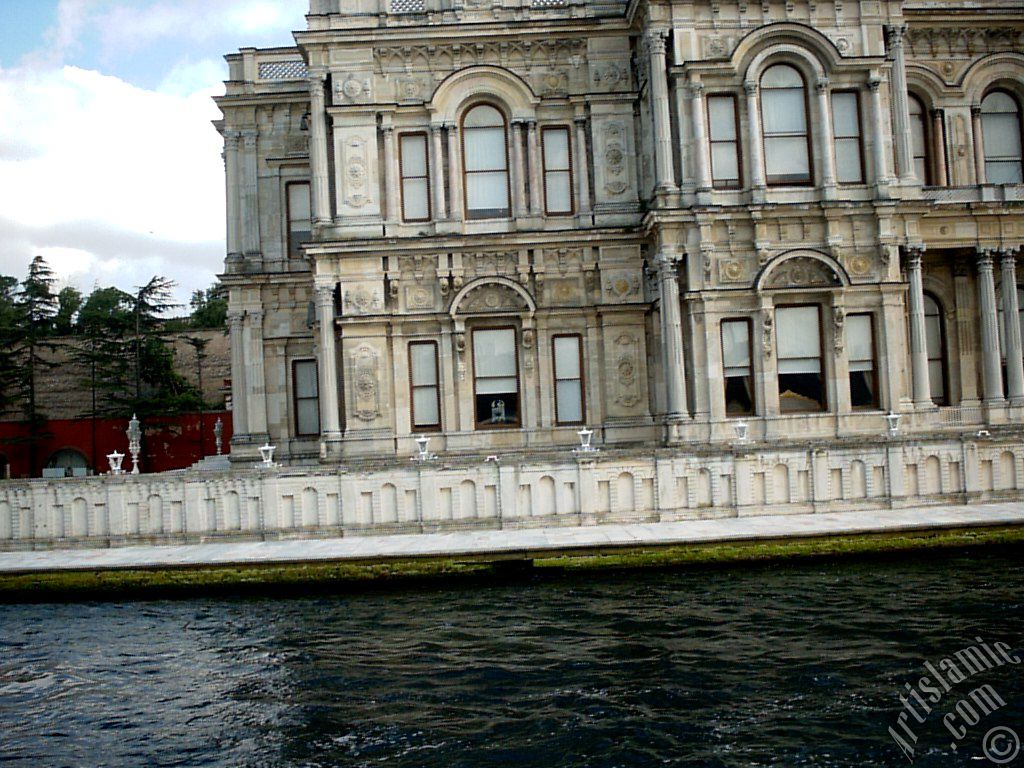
x: 789, y: 665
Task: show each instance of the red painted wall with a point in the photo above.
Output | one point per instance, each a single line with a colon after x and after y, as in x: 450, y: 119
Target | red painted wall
x: 171, y: 442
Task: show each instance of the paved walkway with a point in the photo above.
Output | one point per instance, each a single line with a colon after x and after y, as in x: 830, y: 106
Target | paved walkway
x: 510, y: 542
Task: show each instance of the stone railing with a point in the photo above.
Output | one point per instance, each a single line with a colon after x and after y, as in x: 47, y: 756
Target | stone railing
x: 562, y: 490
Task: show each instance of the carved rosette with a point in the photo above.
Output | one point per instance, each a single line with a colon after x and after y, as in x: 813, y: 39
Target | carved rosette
x: 357, y: 173
x: 626, y: 378
x: 614, y: 150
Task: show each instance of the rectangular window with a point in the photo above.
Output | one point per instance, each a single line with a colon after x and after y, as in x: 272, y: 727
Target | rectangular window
x: 723, y: 132
x: 846, y: 130
x: 425, y: 385
x: 801, y: 374
x: 300, y: 227
x: 568, y: 357
x: 496, y: 377
x: 737, y: 368
x: 412, y: 149
x: 860, y: 343
x: 307, y: 397
x: 557, y: 171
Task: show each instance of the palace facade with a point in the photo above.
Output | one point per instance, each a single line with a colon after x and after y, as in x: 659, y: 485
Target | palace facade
x: 494, y: 222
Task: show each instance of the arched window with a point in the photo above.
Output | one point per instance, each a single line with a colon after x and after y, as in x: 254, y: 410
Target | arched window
x: 935, y: 342
x: 919, y: 141
x: 1001, y: 133
x: 787, y: 157
x: 485, y: 162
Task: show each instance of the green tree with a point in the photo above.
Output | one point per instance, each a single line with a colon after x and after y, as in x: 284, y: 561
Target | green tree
x: 10, y: 333
x: 69, y: 302
x: 209, y: 307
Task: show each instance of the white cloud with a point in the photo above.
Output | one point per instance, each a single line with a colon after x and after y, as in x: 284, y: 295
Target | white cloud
x: 108, y: 178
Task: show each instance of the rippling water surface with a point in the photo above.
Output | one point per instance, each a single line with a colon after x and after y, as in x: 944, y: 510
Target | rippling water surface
x: 789, y: 665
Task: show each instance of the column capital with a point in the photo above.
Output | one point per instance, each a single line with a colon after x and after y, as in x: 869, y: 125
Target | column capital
x: 975, y: 110
x: 750, y: 87
x: 231, y: 139
x: 821, y: 85
x: 1007, y: 256
x: 938, y: 113
x: 580, y: 120
x: 452, y: 128
x: 655, y: 40
x: 984, y: 259
x: 387, y: 129
x: 695, y: 89
x: 317, y: 83
x: 435, y: 128
x: 913, y: 255
x: 874, y: 83
x: 894, y: 35
x: 531, y: 123
x: 235, y: 317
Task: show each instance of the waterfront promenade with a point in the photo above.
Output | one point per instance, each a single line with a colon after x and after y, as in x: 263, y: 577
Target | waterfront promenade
x: 520, y: 544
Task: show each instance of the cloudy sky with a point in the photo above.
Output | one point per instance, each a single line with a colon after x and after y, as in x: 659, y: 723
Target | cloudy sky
x: 109, y: 166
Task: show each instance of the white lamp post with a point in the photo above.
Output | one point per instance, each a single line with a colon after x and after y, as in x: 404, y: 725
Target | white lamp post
x: 586, y: 437
x: 741, y: 428
x: 218, y: 434
x: 134, y: 433
x: 893, y: 420
x: 115, y: 460
x: 423, y: 444
x: 267, y: 453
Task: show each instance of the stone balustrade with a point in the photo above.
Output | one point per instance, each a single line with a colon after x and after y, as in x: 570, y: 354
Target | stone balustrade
x: 610, y: 486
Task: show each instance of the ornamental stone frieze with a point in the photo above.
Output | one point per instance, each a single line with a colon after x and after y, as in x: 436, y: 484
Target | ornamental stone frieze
x: 941, y: 42
x: 518, y: 55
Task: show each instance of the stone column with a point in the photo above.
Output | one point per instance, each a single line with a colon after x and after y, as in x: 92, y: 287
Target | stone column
x: 518, y: 171
x: 979, y: 146
x: 918, y: 334
x: 231, y: 166
x: 673, y: 358
x: 533, y: 159
x: 939, y: 148
x: 901, y: 105
x: 658, y: 84
x: 582, y: 166
x: 239, y: 399
x: 330, y: 413
x: 454, y: 173
x: 881, y: 166
x: 756, y: 151
x: 991, y: 373
x: 437, y: 173
x: 701, y: 147
x: 256, y: 378
x: 1011, y: 331
x: 967, y: 363
x: 321, y: 192
x: 825, y: 139
x: 250, y: 198
x: 391, y: 180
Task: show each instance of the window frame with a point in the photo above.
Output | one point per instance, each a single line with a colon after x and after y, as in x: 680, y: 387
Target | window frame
x: 1020, y: 132
x: 517, y: 424
x: 413, y: 386
x: 737, y: 142
x: 296, y: 398
x: 860, y: 135
x: 570, y: 169
x: 465, y: 174
x: 750, y: 373
x: 943, y: 358
x: 824, y: 402
x: 876, y: 400
x: 809, y: 182
x: 928, y: 141
x: 582, y: 379
x: 426, y: 176
x: 289, y: 244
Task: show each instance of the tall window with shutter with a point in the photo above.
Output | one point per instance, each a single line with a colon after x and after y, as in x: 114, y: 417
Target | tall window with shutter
x: 847, y: 135
x: 425, y: 385
x: 558, y: 199
x: 737, y: 368
x: 485, y: 163
x: 801, y: 373
x: 305, y: 387
x: 496, y: 377
x: 723, y: 133
x: 300, y: 227
x: 860, y: 345
x: 787, y: 157
x: 567, y: 351
x: 415, y: 177
x: 1001, y: 128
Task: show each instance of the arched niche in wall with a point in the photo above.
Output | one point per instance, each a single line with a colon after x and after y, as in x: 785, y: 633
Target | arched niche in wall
x: 482, y: 83
x: 802, y: 269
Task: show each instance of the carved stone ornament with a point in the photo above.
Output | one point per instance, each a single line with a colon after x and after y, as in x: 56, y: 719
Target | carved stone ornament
x: 838, y: 322
x: 565, y: 291
x: 492, y: 298
x: 364, y: 364
x: 621, y: 285
x: 732, y: 270
x: 363, y: 300
x: 356, y: 164
x: 609, y: 76
x: 419, y: 297
x: 627, y: 363
x: 614, y: 150
x: 802, y: 272
x: 352, y: 88
x: 860, y: 265
x: 767, y: 331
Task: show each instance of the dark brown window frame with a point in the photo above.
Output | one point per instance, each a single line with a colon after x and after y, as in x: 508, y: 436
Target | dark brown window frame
x: 860, y: 135
x: 737, y: 141
x: 581, y: 379
x: 296, y: 398
x: 402, y: 177
x: 876, y: 401
x: 929, y: 148
x: 436, y: 427
x: 750, y: 352
x: 465, y: 173
x: 1020, y: 121
x: 571, y: 169
x: 825, y: 404
x: 943, y: 348
x: 517, y: 424
x: 288, y: 214
x: 809, y: 182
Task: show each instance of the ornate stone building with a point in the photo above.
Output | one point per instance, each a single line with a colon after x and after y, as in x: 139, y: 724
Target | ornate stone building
x: 495, y: 221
